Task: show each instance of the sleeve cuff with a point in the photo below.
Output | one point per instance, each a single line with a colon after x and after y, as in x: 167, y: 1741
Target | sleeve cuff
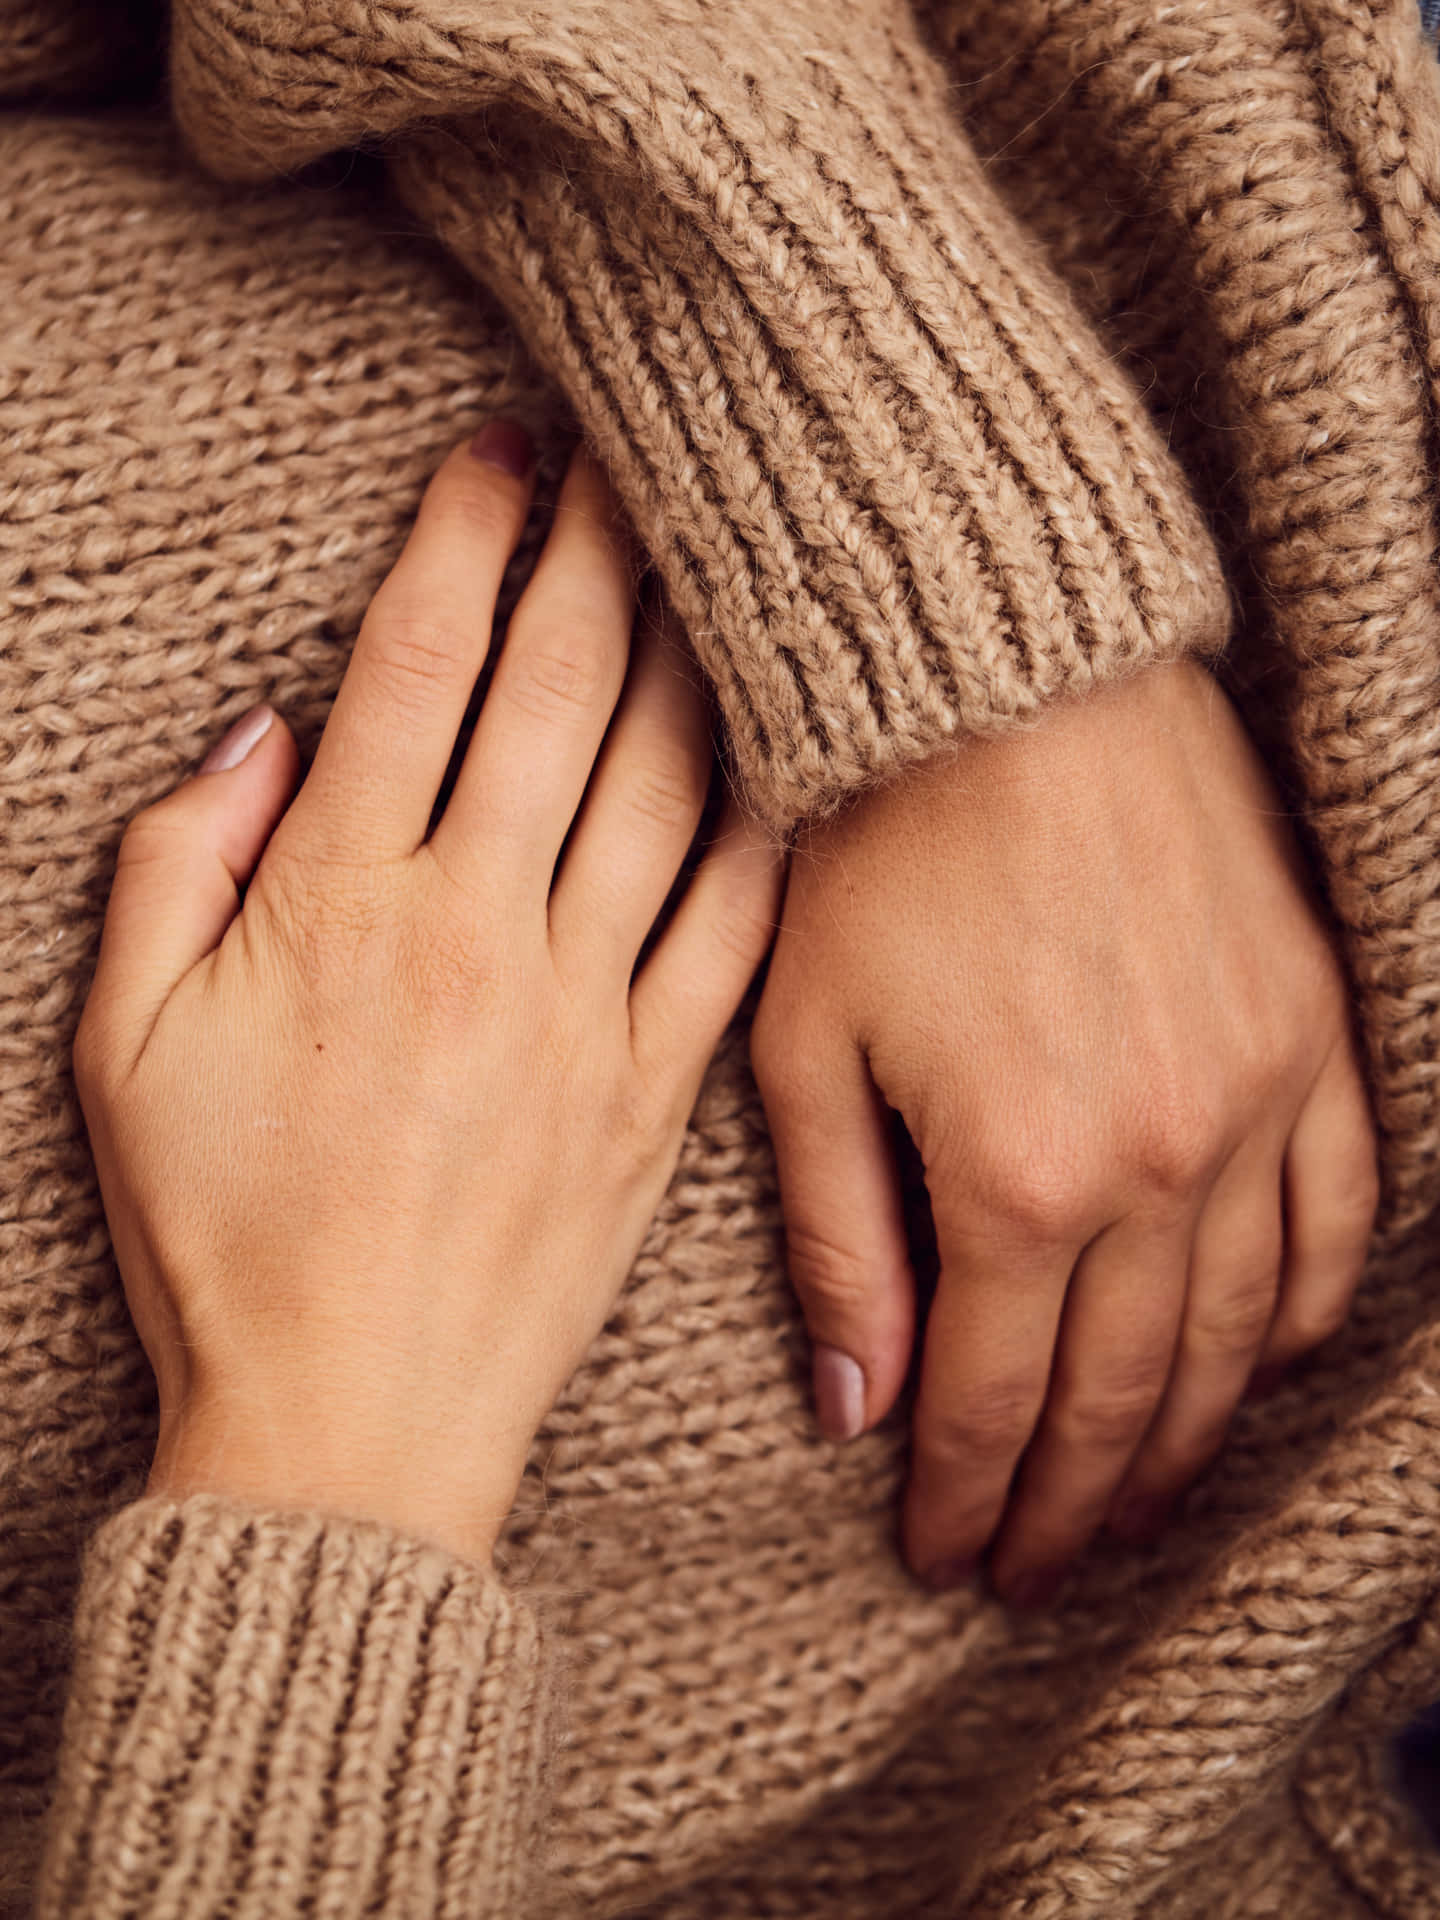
x: 899, y: 493
x: 275, y: 1713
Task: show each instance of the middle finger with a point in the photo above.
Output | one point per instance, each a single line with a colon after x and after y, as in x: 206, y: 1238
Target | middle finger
x: 547, y: 709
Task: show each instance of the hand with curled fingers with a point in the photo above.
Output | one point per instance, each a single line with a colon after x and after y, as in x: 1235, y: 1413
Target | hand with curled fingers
x: 1083, y: 965
x: 378, y: 1142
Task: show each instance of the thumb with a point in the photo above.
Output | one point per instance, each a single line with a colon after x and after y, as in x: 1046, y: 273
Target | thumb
x: 180, y: 866
x: 848, y: 1256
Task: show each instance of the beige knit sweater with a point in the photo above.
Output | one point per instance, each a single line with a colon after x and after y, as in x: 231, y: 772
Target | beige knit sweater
x: 811, y: 273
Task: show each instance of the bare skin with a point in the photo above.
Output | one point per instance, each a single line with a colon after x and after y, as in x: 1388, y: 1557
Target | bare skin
x: 1083, y: 965
x: 379, y: 1148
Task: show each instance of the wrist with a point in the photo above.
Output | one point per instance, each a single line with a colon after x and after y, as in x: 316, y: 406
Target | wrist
x: 325, y: 1470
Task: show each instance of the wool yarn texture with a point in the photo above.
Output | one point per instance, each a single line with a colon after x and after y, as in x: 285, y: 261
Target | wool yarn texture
x: 948, y: 362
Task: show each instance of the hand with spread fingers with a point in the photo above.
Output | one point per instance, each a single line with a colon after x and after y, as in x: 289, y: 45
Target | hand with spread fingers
x: 1083, y: 964
x: 378, y: 1144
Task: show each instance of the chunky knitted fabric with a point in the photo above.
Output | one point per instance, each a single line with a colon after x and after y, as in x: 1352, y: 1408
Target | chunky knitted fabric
x: 893, y: 485
x: 1247, y: 195
x: 752, y: 251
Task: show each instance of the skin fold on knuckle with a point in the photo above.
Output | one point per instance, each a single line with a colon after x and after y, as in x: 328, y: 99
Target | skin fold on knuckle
x: 447, y: 973
x: 664, y: 791
x: 421, y: 655
x: 987, y: 1428
x: 1301, y: 1328
x: 1102, y: 1418
x: 473, y: 506
x: 1181, y: 1142
x: 740, y: 929
x: 1340, y: 1231
x: 558, y: 683
x: 153, y: 834
x: 1032, y: 1208
x: 1235, y: 1321
x: 1027, y: 1195
x: 837, y: 1282
x: 323, y: 919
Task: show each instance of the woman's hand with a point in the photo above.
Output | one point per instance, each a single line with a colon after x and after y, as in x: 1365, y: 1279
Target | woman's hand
x: 1083, y: 965
x: 379, y: 1146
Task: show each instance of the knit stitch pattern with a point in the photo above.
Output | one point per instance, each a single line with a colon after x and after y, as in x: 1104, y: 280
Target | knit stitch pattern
x: 218, y: 407
x: 1260, y: 181
x: 893, y: 485
x: 386, y: 1762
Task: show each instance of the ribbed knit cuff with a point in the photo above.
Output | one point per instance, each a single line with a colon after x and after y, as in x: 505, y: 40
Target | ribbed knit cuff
x: 897, y: 490
x: 275, y: 1714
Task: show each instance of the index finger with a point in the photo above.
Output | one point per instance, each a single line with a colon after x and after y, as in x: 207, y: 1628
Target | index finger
x: 395, y: 720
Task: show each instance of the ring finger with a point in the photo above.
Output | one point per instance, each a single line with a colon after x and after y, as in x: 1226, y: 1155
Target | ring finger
x: 1117, y: 1338
x: 1234, y: 1277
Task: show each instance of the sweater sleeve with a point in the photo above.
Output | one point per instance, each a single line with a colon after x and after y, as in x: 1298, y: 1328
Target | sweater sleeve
x: 276, y: 1714
x: 896, y: 488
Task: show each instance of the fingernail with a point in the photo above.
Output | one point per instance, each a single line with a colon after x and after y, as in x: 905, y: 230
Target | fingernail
x: 839, y: 1393
x: 1140, y: 1518
x: 245, y: 734
x: 502, y: 444
x: 946, y: 1574
x: 1033, y: 1589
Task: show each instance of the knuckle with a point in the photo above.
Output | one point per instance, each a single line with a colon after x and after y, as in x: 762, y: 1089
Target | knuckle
x: 1306, y: 1327
x: 993, y: 1424
x: 1352, y: 1199
x: 448, y: 971
x: 742, y: 933
x: 1112, y: 1414
x: 558, y: 681
x: 823, y: 1268
x: 477, y: 507
x: 150, y: 834
x: 1039, y: 1200
x: 1364, y: 1198
x: 1181, y: 1143
x: 319, y: 915
x: 1257, y: 1067
x: 664, y: 792
x: 419, y: 655
x: 1234, y: 1320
